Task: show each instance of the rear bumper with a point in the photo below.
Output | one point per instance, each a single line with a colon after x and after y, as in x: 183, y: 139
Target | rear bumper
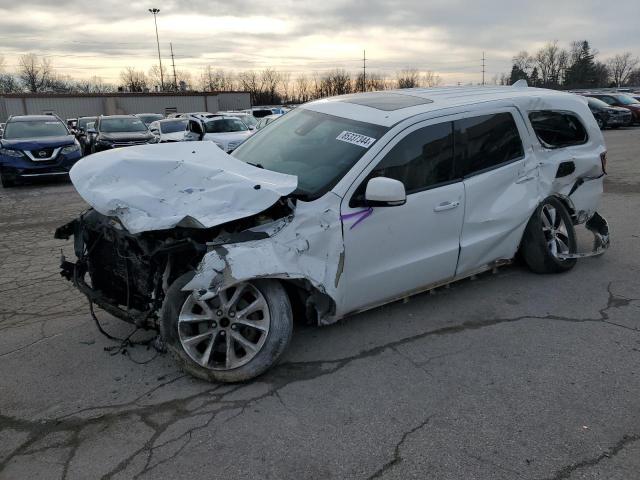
x: 599, y: 227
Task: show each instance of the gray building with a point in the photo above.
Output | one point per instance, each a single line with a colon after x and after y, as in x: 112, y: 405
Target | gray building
x: 90, y: 104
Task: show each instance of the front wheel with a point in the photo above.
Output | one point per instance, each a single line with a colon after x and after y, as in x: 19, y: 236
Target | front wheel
x: 549, y: 235
x: 233, y: 337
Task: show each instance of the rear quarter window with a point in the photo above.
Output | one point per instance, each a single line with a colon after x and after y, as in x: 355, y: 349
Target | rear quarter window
x: 557, y: 129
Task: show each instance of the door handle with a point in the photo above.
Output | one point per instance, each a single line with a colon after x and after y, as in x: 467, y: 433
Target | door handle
x: 446, y: 206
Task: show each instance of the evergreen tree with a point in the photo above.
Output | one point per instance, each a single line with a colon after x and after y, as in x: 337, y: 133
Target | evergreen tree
x: 582, y: 70
x: 518, y: 74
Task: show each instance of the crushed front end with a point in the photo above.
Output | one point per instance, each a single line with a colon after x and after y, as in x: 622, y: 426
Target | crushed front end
x: 125, y: 274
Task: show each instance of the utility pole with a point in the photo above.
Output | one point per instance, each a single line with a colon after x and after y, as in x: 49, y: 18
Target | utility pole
x: 483, y: 65
x: 364, y: 70
x: 173, y: 62
x: 156, y: 11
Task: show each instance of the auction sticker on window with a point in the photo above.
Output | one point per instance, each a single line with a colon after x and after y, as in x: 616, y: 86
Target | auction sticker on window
x: 356, y: 139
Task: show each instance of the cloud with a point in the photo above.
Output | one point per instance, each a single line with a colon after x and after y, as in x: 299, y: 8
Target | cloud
x: 445, y: 36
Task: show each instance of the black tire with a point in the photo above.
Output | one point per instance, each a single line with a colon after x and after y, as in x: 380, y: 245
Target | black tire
x: 535, y: 247
x: 7, y: 181
x: 277, y: 339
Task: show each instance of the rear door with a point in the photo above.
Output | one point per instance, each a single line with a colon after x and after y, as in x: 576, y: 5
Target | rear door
x: 500, y: 176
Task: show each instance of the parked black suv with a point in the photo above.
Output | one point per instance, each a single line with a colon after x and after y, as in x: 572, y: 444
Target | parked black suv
x: 115, y: 131
x: 81, y: 133
x: 608, y: 116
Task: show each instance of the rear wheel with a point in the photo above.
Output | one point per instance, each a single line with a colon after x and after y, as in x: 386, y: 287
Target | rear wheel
x: 233, y: 337
x: 548, y: 236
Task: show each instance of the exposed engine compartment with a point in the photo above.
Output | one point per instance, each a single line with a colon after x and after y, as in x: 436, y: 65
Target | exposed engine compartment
x: 128, y: 274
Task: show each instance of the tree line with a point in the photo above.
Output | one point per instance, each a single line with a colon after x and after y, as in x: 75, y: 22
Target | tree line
x: 576, y: 67
x: 268, y: 86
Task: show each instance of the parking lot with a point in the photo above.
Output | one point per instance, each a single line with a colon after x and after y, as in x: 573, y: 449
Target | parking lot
x: 508, y: 376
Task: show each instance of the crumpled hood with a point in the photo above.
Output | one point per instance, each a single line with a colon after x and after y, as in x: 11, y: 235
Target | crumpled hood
x: 38, y: 143
x: 194, y: 184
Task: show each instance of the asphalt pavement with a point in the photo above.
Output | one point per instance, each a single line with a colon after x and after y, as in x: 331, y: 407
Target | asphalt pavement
x: 509, y: 376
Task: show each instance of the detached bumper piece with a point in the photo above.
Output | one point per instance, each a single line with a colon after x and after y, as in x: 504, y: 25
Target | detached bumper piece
x: 599, y: 227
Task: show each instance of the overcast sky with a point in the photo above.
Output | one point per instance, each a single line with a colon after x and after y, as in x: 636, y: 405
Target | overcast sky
x: 446, y: 36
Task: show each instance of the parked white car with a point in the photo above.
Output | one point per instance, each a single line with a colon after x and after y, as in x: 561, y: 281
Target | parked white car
x: 225, y: 131
x: 169, y: 130
x: 264, y: 121
x: 344, y: 204
x: 248, y: 119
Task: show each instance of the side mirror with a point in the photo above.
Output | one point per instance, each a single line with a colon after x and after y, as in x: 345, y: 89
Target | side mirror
x: 91, y: 130
x: 385, y: 192
x: 252, y: 127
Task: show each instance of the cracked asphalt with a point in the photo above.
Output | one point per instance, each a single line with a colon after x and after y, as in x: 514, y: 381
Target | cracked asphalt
x: 509, y: 376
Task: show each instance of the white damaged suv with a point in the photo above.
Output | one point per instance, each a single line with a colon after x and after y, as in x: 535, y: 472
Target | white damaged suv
x: 342, y: 205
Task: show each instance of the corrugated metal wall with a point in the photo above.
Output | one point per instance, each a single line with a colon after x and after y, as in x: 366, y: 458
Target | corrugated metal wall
x: 71, y: 106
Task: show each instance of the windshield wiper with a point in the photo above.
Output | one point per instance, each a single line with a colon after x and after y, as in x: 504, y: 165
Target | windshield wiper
x: 256, y: 165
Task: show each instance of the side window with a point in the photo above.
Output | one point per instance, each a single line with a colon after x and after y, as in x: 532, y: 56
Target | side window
x: 558, y: 129
x: 421, y: 160
x: 485, y: 142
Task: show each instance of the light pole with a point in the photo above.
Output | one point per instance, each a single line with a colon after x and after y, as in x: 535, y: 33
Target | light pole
x: 156, y: 11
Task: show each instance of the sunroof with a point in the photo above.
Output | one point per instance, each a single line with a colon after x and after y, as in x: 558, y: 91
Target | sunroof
x: 384, y: 101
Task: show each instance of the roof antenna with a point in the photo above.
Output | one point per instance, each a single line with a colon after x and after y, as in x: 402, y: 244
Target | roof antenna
x: 522, y: 83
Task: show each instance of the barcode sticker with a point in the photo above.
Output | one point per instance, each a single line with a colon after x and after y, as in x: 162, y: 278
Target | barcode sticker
x: 356, y: 139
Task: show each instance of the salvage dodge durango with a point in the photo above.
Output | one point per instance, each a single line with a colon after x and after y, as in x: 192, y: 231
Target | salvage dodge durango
x: 341, y: 205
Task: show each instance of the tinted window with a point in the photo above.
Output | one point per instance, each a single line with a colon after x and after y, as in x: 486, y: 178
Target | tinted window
x: 225, y: 125
x: 485, y: 142
x: 607, y: 99
x: 626, y: 100
x: 34, y: 129
x: 318, y: 148
x: 127, y: 124
x: 422, y: 159
x: 557, y: 129
x: 596, y: 103
x: 173, y: 126
x: 82, y: 122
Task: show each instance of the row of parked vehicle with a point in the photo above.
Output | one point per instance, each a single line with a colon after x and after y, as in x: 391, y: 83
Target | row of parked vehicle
x: 43, y: 145
x: 614, y: 109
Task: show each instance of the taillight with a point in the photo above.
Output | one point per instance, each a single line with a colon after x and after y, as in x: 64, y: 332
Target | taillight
x: 603, y: 161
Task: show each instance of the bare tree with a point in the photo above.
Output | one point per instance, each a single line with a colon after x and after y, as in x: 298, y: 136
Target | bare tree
x: 34, y: 72
x: 93, y: 85
x: 621, y: 66
x: 250, y: 82
x: 551, y: 61
x: 408, y: 78
x: 216, y: 80
x: 431, y: 79
x: 270, y: 79
x: 133, y: 80
x: 303, y: 88
x: 524, y: 62
x: 9, y: 83
x: 285, y: 86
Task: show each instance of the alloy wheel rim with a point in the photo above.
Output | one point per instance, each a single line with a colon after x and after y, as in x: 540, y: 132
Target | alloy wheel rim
x: 227, y: 331
x: 555, y: 231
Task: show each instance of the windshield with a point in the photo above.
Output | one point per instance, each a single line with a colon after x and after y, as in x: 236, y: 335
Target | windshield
x: 150, y: 117
x: 117, y: 125
x: 84, y: 121
x: 626, y: 100
x: 173, y: 126
x: 225, y: 125
x: 597, y: 103
x: 318, y: 148
x: 34, y: 129
x: 249, y: 120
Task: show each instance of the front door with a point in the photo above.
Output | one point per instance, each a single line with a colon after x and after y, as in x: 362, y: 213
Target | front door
x: 391, y: 251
